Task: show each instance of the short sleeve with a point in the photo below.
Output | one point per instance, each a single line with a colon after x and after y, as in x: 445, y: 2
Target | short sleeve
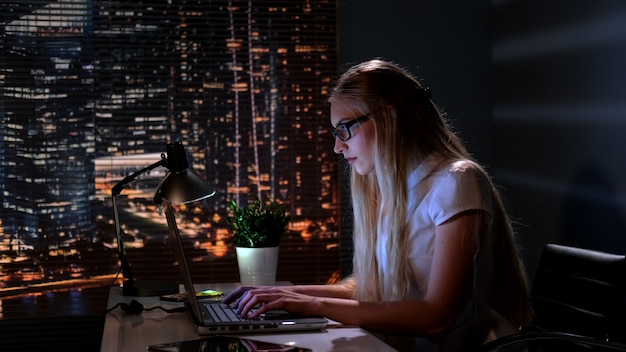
x: 460, y: 187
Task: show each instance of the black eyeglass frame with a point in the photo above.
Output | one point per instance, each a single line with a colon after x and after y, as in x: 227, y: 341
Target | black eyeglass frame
x: 347, y: 126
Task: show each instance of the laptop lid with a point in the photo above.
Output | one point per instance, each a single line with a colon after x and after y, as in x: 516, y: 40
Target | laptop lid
x: 207, y: 325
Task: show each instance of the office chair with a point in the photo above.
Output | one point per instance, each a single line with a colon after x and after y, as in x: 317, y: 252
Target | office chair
x: 577, y: 296
x: 579, y: 291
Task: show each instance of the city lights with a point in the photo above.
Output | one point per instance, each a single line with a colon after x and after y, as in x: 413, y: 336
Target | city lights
x: 93, y: 89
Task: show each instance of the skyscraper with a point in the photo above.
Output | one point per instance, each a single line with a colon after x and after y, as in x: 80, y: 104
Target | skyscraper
x: 47, y: 132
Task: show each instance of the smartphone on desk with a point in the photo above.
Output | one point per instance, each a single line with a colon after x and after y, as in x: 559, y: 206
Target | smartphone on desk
x: 224, y: 343
x: 180, y: 297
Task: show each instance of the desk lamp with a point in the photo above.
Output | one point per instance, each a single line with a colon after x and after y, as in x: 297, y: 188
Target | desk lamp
x: 179, y: 186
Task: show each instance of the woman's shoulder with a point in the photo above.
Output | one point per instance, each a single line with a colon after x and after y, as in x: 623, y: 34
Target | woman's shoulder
x: 459, y: 177
x: 453, y: 186
x: 435, y: 169
x: 459, y: 167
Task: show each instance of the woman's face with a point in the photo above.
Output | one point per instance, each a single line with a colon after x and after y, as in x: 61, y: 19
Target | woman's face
x: 359, y: 149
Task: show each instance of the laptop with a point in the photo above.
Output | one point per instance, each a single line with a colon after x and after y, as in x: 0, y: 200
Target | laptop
x: 214, y: 317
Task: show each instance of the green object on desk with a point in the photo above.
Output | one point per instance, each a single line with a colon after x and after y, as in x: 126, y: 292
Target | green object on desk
x: 209, y: 293
x: 180, y: 297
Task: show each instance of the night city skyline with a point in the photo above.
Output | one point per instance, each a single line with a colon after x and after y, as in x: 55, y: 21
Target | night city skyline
x: 93, y: 94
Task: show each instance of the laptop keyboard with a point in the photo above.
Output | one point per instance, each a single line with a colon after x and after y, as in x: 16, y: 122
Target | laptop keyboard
x: 222, y: 312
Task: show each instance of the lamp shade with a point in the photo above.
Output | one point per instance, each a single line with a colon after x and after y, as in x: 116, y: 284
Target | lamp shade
x: 182, y: 187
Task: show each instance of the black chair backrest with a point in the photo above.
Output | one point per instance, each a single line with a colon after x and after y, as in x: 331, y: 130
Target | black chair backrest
x: 579, y: 291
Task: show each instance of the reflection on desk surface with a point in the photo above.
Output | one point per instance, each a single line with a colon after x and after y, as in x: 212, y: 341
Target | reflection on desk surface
x: 224, y: 343
x: 56, y: 303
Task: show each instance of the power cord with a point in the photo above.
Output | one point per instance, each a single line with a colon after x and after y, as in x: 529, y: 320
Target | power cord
x: 136, y: 308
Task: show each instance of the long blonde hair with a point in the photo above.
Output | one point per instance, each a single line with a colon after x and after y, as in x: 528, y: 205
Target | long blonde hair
x: 408, y: 127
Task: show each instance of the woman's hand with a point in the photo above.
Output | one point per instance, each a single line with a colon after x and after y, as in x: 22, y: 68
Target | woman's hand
x: 237, y: 293
x: 269, y: 298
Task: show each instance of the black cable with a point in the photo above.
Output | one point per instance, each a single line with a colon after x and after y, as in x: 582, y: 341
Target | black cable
x: 136, y: 308
x: 119, y: 271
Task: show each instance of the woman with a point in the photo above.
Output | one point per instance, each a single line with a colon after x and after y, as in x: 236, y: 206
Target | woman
x: 436, y: 266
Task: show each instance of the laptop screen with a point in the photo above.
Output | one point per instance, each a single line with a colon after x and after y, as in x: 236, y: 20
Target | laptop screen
x: 192, y: 301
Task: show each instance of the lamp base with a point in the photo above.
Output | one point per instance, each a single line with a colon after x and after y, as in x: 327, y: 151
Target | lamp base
x: 149, y: 288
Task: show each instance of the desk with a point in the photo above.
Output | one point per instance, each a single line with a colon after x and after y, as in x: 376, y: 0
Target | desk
x: 133, y: 333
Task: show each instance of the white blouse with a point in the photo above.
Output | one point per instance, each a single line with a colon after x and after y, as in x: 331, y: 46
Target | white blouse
x: 438, y: 190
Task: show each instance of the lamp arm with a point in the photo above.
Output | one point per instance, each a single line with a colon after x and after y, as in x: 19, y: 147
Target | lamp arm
x: 127, y: 272
x: 117, y: 189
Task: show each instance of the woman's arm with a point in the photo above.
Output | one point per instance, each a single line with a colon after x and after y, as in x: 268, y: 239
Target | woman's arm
x: 343, y: 289
x: 448, y: 289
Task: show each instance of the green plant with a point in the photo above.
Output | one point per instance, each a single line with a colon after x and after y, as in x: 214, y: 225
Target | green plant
x: 258, y: 224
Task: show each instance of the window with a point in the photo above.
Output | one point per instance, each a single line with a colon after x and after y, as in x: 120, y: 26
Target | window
x: 94, y: 90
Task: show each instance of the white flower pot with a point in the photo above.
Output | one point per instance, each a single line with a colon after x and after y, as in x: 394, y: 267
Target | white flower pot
x: 257, y: 266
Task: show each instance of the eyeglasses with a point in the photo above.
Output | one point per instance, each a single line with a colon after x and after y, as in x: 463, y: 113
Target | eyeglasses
x: 342, y: 130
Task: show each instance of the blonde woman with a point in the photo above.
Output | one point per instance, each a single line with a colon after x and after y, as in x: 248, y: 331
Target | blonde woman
x: 436, y: 265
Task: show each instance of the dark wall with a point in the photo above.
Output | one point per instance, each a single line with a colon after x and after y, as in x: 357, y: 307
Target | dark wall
x: 559, y: 84
x: 445, y: 43
x: 536, y: 88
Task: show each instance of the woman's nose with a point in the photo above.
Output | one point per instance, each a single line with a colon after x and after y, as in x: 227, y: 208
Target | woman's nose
x: 340, y: 146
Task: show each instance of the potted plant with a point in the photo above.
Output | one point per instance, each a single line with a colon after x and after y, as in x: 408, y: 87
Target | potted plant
x: 257, y: 228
